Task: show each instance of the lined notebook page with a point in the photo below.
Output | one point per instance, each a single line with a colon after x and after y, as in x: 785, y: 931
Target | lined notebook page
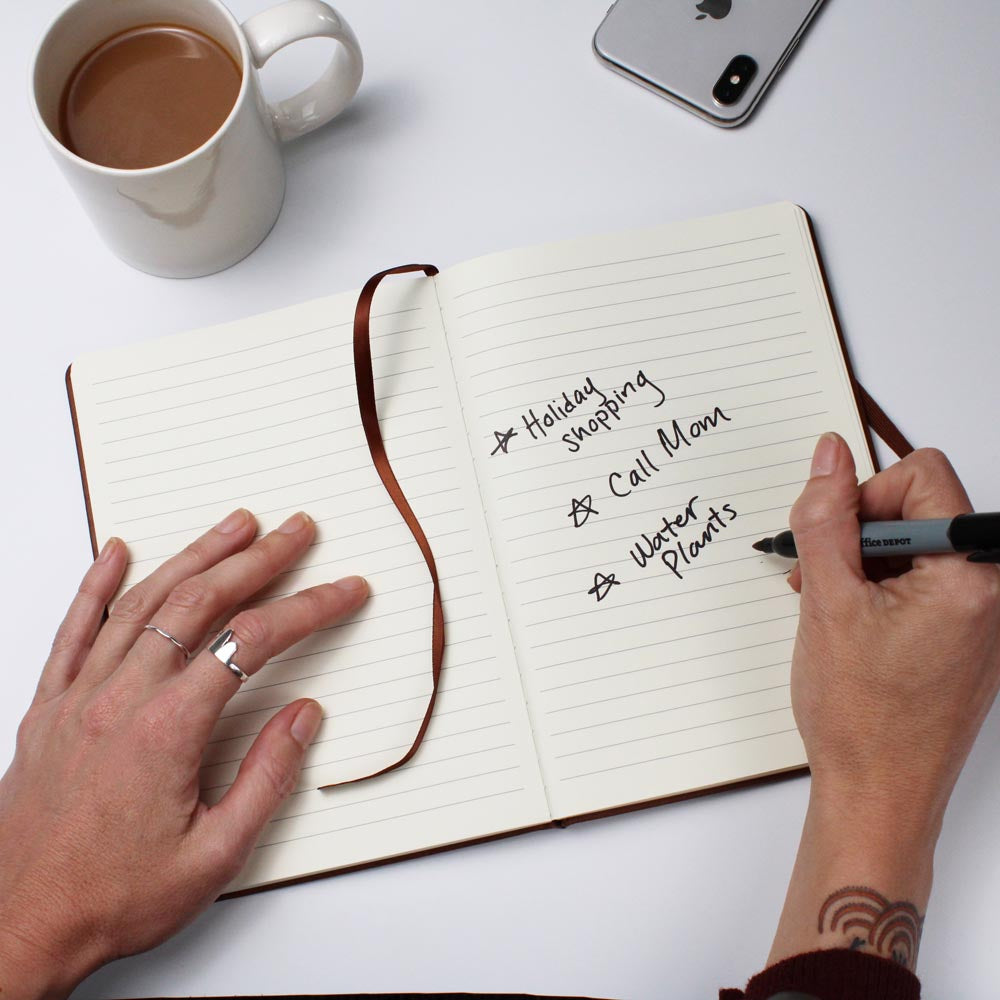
x: 643, y: 407
x: 263, y: 413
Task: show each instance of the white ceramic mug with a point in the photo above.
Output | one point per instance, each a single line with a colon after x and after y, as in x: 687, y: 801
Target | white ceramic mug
x: 209, y: 209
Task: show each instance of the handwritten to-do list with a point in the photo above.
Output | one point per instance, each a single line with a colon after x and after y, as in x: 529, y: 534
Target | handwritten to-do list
x: 641, y: 413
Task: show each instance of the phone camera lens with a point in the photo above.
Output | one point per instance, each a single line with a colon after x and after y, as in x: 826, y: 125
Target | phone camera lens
x: 735, y: 79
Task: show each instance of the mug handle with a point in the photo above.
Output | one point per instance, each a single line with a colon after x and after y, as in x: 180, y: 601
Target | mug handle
x: 289, y: 22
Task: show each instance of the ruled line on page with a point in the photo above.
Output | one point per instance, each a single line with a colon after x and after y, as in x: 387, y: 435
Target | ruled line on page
x: 360, y: 732
x: 388, y: 507
x: 619, y: 347
x: 650, y: 319
x: 411, y: 766
x: 664, y: 664
x: 230, y: 374
x: 387, y: 819
x: 252, y: 347
x: 402, y: 791
x: 271, y: 447
x: 488, y: 727
x: 648, y: 298
x: 659, y: 598
x: 664, y: 642
x: 349, y: 760
x: 690, y: 614
x: 192, y: 529
x: 265, y: 406
x: 400, y: 746
x: 659, y: 339
x: 612, y: 263
x: 642, y: 692
x: 276, y: 468
x: 202, y: 441
x: 655, y: 714
x: 246, y: 497
x: 217, y: 397
x: 681, y: 753
x: 623, y: 281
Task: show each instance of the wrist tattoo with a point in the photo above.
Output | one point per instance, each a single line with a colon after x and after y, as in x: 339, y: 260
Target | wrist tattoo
x: 890, y: 929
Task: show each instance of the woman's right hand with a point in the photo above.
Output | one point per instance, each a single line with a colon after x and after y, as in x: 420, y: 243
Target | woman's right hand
x: 891, y: 682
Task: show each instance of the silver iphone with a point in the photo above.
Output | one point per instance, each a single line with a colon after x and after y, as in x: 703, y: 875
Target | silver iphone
x: 713, y: 57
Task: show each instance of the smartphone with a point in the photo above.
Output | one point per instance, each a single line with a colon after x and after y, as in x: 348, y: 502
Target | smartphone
x: 713, y: 57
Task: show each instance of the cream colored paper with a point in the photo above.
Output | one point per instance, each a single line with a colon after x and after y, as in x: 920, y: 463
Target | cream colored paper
x: 263, y: 413
x: 677, y: 678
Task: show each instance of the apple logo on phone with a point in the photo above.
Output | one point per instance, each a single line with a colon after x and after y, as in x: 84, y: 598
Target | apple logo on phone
x: 718, y: 9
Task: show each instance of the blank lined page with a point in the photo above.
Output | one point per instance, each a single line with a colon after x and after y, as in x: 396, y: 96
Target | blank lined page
x: 642, y: 408
x: 263, y: 414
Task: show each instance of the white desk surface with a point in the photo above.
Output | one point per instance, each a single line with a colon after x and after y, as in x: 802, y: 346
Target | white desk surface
x: 488, y: 126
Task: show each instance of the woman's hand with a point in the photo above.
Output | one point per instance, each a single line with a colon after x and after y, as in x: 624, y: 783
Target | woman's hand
x: 105, y: 846
x: 891, y: 682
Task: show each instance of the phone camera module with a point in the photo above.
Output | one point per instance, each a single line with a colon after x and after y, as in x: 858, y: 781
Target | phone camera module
x: 735, y: 79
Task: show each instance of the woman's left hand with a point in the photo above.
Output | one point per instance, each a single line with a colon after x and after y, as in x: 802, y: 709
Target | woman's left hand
x: 105, y: 846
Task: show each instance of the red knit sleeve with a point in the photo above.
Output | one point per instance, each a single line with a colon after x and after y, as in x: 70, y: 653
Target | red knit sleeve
x: 836, y: 974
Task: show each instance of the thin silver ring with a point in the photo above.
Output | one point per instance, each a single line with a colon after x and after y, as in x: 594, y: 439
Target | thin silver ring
x: 166, y: 635
x: 224, y: 648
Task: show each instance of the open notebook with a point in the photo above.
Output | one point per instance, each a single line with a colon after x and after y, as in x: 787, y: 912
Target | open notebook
x: 591, y: 433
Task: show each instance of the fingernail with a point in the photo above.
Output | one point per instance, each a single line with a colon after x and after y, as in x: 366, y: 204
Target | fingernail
x: 234, y: 522
x: 825, y: 456
x: 110, y: 546
x: 295, y: 523
x: 306, y: 723
x: 352, y: 584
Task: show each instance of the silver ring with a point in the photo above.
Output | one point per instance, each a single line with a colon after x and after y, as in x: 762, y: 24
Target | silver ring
x: 166, y: 635
x: 223, y: 648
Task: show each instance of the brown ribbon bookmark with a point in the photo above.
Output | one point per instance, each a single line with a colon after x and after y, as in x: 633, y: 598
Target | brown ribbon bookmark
x: 369, y: 420
x: 880, y: 422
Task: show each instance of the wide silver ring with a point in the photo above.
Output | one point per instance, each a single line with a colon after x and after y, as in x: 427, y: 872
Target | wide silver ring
x: 166, y: 635
x: 224, y: 648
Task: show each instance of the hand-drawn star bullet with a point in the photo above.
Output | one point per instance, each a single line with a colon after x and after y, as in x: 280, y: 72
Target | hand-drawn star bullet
x: 582, y: 509
x: 602, y: 585
x: 503, y: 440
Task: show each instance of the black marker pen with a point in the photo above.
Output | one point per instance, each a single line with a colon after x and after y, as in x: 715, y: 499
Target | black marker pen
x: 977, y: 534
